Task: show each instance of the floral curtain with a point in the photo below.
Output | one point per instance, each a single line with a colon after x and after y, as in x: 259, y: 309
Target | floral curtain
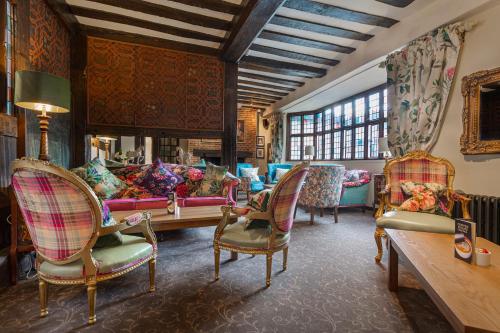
x: 419, y: 78
x: 276, y: 137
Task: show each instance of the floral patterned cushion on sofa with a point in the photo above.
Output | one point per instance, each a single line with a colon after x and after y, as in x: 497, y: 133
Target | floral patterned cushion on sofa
x: 158, y: 179
x: 103, y: 182
x: 136, y: 192
x: 129, y: 174
x: 213, y: 181
x: 425, y: 197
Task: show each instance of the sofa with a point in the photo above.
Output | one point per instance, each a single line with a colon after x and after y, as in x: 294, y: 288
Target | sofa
x: 128, y: 195
x: 254, y: 186
x: 355, y: 188
x: 271, y: 171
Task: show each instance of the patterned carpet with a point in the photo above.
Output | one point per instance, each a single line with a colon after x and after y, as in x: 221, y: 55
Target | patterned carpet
x: 332, y: 285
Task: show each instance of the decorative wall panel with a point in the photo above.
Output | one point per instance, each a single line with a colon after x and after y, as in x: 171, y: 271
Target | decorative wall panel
x: 147, y: 87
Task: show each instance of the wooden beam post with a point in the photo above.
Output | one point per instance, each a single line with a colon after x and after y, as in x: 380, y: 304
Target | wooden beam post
x: 79, y: 97
x: 247, y: 27
x: 230, y: 115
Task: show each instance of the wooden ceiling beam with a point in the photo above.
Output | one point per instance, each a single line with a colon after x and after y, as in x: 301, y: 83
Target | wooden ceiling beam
x: 264, y: 97
x: 280, y: 67
x: 169, y: 12
x: 62, y: 10
x: 216, y: 5
x: 397, y: 3
x: 259, y: 90
x: 257, y: 99
x: 301, y: 41
x: 117, y: 18
x: 340, y: 13
x: 248, y: 102
x: 146, y: 40
x: 271, y: 79
x: 319, y: 28
x: 264, y: 85
x: 247, y: 26
x: 293, y: 55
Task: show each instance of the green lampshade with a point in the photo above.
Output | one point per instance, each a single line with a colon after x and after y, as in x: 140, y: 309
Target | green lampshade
x: 39, y: 90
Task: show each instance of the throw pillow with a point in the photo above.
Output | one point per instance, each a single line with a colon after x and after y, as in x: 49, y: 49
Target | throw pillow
x: 279, y: 173
x: 103, y: 182
x: 113, y: 239
x: 158, y: 179
x: 425, y: 197
x: 260, y: 200
x: 251, y: 173
x: 129, y: 173
x: 212, y: 183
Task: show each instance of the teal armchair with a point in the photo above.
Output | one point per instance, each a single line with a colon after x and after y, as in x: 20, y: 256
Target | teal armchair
x: 355, y: 188
x: 271, y: 171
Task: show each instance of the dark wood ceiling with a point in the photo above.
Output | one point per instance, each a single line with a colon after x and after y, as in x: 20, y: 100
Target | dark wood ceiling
x: 279, y: 44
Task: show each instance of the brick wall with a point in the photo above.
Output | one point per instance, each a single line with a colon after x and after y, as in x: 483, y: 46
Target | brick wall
x: 250, y: 119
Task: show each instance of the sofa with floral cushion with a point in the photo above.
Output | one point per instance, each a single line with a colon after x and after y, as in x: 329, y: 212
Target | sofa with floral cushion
x: 355, y: 188
x: 147, y: 186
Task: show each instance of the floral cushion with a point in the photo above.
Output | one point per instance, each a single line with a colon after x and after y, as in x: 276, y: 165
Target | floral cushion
x: 279, y: 173
x: 260, y: 200
x: 425, y: 197
x: 158, y: 179
x: 136, y: 192
x: 129, y: 174
x: 103, y: 182
x: 213, y: 181
x: 251, y: 173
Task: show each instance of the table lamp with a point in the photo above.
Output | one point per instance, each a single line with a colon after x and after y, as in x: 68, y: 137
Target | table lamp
x: 383, y: 148
x: 309, y: 151
x: 44, y: 92
x: 107, y: 140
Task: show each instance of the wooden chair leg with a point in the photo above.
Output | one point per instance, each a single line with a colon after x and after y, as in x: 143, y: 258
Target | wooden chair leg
x: 152, y: 272
x: 43, y: 291
x: 321, y: 212
x: 285, y: 258
x: 379, y: 232
x: 217, y: 261
x: 269, y: 268
x: 234, y: 255
x: 91, y: 295
x: 311, y: 209
x: 336, y: 214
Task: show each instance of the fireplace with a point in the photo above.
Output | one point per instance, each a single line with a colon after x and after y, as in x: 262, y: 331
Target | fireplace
x: 214, y: 156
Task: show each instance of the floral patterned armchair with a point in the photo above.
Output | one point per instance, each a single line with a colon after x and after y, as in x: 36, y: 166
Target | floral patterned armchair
x: 277, y: 217
x: 322, y: 188
x: 417, y: 167
x: 65, y: 218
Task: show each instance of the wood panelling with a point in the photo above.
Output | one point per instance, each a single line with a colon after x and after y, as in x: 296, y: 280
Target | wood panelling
x: 139, y: 86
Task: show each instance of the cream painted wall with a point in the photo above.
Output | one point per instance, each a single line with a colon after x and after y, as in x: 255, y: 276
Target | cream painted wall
x: 474, y: 174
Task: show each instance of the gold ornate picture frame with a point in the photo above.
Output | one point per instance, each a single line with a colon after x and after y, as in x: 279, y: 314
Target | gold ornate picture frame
x: 470, y: 141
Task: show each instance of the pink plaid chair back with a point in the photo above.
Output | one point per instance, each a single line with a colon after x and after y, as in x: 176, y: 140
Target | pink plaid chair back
x: 418, y: 167
x: 60, y: 217
x: 285, y: 195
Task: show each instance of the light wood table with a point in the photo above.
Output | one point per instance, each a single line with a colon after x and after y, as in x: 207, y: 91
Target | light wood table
x: 184, y: 217
x: 467, y: 295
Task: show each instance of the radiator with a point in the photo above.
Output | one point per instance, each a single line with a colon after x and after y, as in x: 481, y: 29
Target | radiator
x: 485, y: 211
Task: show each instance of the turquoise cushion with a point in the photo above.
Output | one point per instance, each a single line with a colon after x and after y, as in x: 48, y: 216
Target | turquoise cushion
x: 256, y: 186
x: 236, y: 235
x: 414, y: 221
x: 110, y: 259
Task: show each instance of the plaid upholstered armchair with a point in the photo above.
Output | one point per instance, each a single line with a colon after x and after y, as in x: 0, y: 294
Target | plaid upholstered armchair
x: 417, y: 167
x: 65, y: 219
x: 269, y: 238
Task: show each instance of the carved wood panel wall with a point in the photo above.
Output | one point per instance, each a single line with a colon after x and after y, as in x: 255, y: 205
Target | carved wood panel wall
x: 147, y: 87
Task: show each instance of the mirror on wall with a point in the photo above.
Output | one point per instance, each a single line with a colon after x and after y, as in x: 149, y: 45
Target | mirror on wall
x: 481, y: 113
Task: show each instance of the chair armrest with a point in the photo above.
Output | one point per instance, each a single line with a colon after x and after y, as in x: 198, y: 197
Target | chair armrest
x: 126, y: 223
x: 459, y: 196
x: 226, y: 213
x: 383, y: 199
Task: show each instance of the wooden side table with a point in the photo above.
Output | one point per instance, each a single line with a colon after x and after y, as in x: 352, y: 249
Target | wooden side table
x: 378, y: 185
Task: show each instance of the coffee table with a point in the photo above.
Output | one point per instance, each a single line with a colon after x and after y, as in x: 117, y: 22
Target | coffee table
x: 184, y: 217
x: 467, y: 295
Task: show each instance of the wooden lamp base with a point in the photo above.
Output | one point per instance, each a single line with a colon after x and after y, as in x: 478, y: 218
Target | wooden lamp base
x: 44, y: 137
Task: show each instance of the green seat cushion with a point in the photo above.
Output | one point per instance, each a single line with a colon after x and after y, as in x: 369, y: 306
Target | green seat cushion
x: 236, y: 235
x: 414, y: 221
x: 110, y: 259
